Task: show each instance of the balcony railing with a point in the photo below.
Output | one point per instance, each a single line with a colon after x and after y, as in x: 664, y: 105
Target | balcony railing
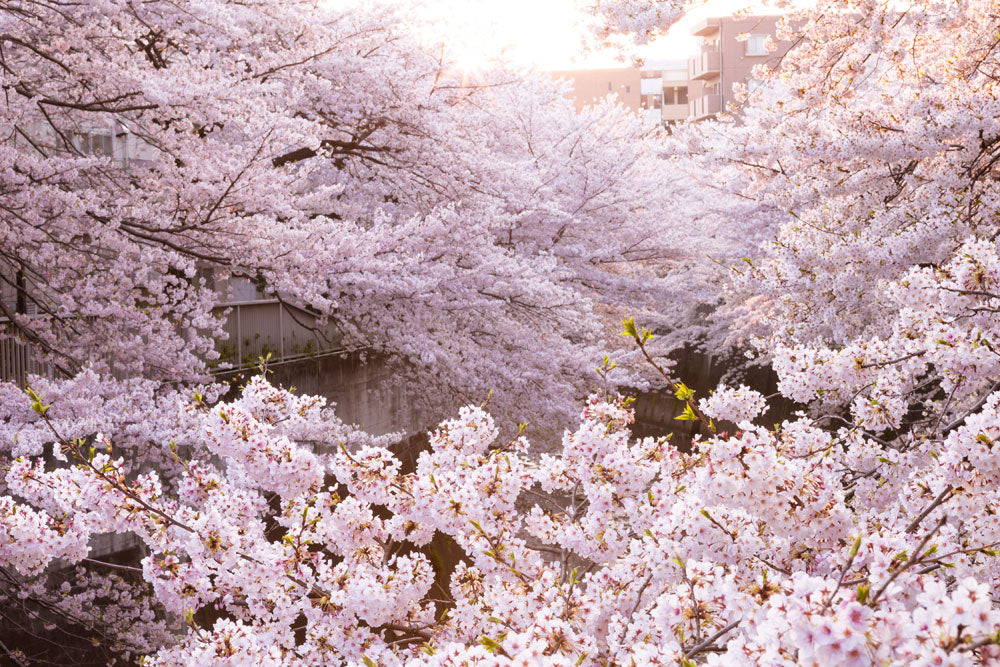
x: 706, y: 105
x: 255, y: 329
x: 18, y: 360
x: 651, y: 86
x: 705, y: 65
x: 262, y: 327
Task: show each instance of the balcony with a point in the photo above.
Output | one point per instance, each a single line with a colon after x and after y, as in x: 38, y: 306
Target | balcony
x: 256, y: 329
x: 704, y: 106
x: 707, y: 27
x: 269, y: 327
x: 705, y: 65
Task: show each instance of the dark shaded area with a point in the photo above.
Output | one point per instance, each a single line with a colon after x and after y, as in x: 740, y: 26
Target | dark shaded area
x: 656, y: 411
x: 33, y: 631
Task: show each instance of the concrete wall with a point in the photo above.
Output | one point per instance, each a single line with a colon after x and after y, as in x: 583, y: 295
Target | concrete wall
x: 656, y: 412
x: 366, y: 392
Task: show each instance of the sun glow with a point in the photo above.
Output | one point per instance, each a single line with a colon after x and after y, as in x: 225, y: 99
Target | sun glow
x: 552, y: 34
x: 547, y: 34
x: 542, y: 34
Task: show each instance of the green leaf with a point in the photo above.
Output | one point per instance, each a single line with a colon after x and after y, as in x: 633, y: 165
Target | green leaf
x: 491, y: 645
x: 688, y: 415
x: 629, y: 324
x: 368, y: 661
x: 855, y: 547
x: 683, y: 392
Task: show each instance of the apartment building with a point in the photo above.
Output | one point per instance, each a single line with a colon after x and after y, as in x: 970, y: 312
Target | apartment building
x: 592, y: 85
x: 658, y: 91
x: 664, y: 88
x: 724, y: 58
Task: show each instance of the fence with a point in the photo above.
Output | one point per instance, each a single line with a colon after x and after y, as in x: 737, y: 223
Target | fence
x: 268, y: 326
x: 17, y: 361
x: 255, y: 329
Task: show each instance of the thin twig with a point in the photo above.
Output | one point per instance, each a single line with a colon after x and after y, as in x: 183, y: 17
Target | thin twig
x: 941, y: 498
x: 698, y: 648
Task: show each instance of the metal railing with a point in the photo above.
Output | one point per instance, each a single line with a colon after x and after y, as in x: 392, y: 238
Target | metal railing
x: 265, y: 327
x: 18, y: 360
x: 255, y: 329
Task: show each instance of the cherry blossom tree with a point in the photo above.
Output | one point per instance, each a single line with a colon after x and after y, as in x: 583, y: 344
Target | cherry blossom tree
x: 466, y: 230
x: 861, y: 531
x: 866, y: 149
x: 813, y: 541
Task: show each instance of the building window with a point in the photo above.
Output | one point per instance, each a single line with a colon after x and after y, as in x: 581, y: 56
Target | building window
x: 675, y: 95
x: 609, y: 86
x: 651, y: 102
x: 757, y: 45
x: 628, y: 89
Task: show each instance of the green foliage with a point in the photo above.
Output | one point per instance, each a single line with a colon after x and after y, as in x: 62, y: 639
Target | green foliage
x: 683, y: 392
x: 641, y: 334
x: 688, y: 414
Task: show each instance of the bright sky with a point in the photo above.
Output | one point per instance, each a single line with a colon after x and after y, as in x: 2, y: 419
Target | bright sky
x: 548, y: 34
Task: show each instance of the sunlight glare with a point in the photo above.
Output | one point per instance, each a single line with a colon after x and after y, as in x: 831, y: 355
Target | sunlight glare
x: 545, y: 34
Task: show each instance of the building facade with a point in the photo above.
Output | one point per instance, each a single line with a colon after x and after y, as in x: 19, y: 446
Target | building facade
x: 665, y: 92
x: 658, y: 91
x: 670, y: 91
x: 730, y: 48
x: 590, y: 86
